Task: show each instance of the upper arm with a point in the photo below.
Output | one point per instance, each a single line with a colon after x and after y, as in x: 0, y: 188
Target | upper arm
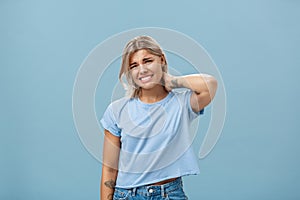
x: 111, y: 150
x: 200, y: 100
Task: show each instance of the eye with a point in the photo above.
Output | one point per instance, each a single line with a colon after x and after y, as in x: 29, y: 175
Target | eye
x: 148, y: 61
x: 132, y: 66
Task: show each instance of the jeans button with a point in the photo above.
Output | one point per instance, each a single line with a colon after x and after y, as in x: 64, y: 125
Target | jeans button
x: 150, y: 190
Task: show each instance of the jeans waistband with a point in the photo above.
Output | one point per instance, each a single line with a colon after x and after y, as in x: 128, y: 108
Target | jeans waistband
x: 150, y: 190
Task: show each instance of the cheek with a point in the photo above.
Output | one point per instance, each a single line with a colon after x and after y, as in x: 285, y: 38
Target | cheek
x: 133, y: 77
x: 159, y: 70
x: 133, y: 74
x: 130, y: 77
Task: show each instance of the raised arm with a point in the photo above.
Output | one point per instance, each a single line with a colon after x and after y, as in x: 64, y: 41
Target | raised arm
x: 111, y: 151
x: 204, y: 87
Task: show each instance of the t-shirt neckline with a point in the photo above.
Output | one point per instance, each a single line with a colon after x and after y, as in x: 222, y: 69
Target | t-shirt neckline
x: 165, y: 99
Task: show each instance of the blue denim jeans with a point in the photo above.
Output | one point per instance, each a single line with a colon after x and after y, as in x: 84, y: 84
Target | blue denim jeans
x: 169, y: 191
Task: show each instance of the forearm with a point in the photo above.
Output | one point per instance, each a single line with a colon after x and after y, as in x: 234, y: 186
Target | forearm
x: 108, y: 182
x: 111, y: 150
x: 198, y: 83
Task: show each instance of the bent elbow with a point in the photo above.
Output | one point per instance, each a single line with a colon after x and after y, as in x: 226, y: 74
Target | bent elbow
x: 212, y: 85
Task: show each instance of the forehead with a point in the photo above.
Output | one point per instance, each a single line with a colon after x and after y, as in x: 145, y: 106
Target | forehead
x: 140, y: 54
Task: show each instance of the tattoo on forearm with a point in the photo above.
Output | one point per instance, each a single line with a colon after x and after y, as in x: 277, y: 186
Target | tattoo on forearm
x: 110, y: 197
x: 110, y: 184
x: 175, y: 83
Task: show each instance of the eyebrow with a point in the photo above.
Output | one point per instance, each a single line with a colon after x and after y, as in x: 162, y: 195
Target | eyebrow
x: 144, y: 59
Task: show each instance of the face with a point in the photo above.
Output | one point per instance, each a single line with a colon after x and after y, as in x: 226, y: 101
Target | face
x: 146, y: 69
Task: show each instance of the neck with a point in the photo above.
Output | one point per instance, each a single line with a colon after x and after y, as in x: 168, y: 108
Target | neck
x: 153, y: 95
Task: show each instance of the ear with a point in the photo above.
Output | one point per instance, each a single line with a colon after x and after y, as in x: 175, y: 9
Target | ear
x: 163, y: 59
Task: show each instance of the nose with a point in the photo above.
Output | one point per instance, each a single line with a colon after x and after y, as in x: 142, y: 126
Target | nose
x: 143, y: 69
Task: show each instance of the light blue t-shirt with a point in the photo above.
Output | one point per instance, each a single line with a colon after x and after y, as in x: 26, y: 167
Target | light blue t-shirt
x: 155, y: 138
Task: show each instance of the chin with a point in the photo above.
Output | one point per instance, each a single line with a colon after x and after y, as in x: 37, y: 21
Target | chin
x: 149, y: 86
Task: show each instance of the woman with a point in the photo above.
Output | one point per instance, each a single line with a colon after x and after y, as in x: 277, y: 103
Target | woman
x: 147, y: 146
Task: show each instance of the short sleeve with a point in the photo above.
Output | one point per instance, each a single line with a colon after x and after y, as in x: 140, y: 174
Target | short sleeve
x: 109, y: 122
x: 192, y: 114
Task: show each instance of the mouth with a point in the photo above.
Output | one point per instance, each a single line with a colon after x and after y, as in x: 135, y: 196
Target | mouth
x: 146, y: 79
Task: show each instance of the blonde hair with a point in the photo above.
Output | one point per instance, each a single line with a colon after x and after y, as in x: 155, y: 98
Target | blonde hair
x: 134, y: 45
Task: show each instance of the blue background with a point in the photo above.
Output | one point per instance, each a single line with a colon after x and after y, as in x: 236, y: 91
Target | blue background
x: 254, y: 43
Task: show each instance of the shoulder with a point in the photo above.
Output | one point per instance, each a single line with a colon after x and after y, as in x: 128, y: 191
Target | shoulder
x: 182, y: 93
x: 112, y: 114
x: 181, y: 96
x: 184, y: 96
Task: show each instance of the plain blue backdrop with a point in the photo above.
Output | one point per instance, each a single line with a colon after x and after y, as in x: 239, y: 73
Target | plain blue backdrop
x: 254, y: 43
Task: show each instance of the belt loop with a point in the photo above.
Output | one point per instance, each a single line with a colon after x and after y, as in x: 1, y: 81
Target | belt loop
x: 133, y: 191
x: 162, y: 190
